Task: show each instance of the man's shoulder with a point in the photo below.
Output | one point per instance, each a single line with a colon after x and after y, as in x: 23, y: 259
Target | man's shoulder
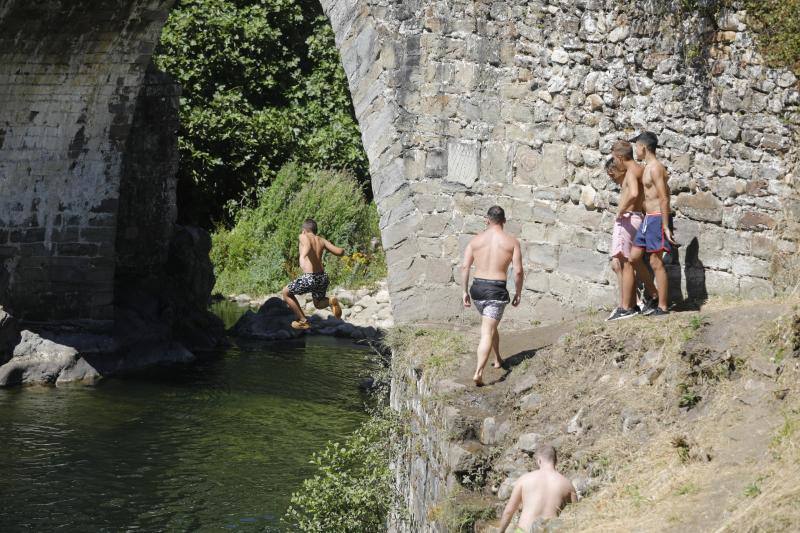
x: 477, y: 238
x: 510, y: 237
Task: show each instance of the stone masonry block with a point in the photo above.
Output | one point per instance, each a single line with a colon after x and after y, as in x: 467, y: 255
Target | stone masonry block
x: 463, y: 162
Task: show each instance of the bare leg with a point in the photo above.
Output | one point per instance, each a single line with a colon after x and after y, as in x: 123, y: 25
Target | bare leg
x: 628, y: 285
x: 488, y: 329
x: 498, y: 361
x: 321, y: 304
x: 618, y: 271
x: 293, y: 304
x: 637, y: 258
x: 657, y: 263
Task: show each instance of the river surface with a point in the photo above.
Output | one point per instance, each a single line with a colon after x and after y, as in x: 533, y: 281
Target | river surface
x: 217, y: 445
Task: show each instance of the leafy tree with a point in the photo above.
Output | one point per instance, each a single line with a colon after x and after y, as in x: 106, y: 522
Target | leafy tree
x: 262, y: 85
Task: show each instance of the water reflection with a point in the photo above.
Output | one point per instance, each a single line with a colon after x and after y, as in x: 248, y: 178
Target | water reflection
x: 217, y: 445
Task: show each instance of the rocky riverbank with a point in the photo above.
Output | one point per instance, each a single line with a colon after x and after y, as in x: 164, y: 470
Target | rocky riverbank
x: 366, y: 312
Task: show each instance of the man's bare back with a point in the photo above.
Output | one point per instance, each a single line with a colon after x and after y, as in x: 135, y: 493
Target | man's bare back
x: 634, y: 172
x: 544, y: 494
x: 493, y: 251
x: 312, y: 248
x: 540, y: 494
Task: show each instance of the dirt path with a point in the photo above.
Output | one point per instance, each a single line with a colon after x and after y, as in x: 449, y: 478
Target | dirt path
x: 664, y: 424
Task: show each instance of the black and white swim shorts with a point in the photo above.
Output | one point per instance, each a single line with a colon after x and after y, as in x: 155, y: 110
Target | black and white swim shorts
x: 490, y: 297
x: 314, y: 282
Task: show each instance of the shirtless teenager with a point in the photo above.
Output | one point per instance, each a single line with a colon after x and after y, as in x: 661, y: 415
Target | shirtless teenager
x: 491, y: 251
x: 542, y: 494
x: 314, y: 279
x: 627, y: 174
x: 654, y: 235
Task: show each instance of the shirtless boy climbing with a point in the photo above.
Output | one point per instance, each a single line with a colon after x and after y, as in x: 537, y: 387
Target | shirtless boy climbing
x: 654, y: 235
x: 314, y: 279
x: 492, y: 251
x: 540, y: 494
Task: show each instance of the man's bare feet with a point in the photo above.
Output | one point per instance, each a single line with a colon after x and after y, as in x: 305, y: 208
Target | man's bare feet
x: 335, y: 307
x: 301, y: 324
x: 478, y: 380
x: 499, y: 363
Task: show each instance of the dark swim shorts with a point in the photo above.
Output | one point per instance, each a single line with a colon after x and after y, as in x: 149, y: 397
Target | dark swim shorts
x: 314, y: 282
x: 490, y: 297
x: 650, y: 235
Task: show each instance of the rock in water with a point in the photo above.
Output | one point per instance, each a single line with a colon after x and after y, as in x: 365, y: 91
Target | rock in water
x: 273, y: 321
x: 37, y: 360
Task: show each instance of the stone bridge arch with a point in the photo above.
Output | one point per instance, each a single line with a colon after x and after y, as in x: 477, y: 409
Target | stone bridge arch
x: 462, y: 104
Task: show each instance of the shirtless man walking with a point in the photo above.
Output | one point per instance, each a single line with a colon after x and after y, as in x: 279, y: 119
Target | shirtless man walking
x: 654, y: 235
x: 314, y: 279
x: 542, y: 494
x: 628, y: 175
x: 491, y: 251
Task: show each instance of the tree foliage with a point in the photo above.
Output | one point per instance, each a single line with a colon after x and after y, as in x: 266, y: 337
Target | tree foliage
x: 262, y: 85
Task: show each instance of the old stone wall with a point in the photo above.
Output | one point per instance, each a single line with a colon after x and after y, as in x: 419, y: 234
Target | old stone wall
x: 70, y: 73
x: 465, y: 104
x: 462, y: 105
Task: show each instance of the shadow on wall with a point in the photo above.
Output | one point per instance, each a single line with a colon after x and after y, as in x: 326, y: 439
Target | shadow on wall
x: 692, y: 276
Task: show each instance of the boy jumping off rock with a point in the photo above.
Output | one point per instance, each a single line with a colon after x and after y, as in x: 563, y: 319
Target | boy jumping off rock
x: 314, y: 278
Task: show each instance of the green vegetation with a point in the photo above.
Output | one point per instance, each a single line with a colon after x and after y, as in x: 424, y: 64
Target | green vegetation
x: 752, y: 490
x: 687, y: 489
x: 776, y: 24
x: 777, y: 27
x: 682, y: 446
x: 353, y: 488
x: 688, y: 398
x: 260, y: 253
x: 262, y: 86
x: 460, y: 511
x: 437, y: 350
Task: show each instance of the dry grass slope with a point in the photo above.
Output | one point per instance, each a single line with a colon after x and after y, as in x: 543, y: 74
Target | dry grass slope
x: 688, y: 423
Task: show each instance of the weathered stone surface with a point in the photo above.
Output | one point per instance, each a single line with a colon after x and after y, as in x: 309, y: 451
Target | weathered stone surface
x: 528, y: 442
x: 700, y: 206
x: 43, y: 361
x: 456, y: 101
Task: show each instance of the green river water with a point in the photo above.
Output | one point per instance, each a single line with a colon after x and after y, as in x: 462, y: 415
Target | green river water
x: 217, y: 445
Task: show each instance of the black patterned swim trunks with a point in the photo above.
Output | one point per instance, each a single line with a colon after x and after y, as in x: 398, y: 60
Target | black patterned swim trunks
x: 314, y: 282
x: 490, y: 297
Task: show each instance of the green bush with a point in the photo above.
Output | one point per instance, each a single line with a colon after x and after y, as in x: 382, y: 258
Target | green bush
x: 777, y: 27
x: 262, y: 85
x: 353, y: 488
x: 259, y: 254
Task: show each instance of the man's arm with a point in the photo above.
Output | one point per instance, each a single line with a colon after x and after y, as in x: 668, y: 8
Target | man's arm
x: 466, y: 264
x: 519, y: 276
x: 335, y: 250
x: 573, y: 495
x: 632, y: 186
x: 660, y: 181
x: 511, y: 506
